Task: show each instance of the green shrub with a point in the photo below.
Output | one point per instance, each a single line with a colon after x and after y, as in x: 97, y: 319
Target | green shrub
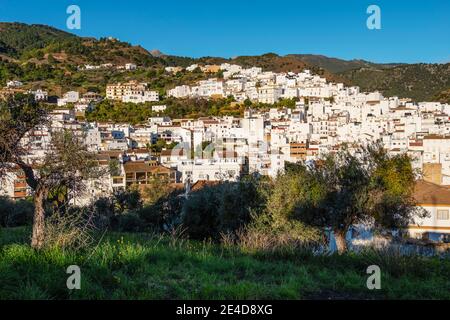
x: 130, y: 222
x: 15, y: 213
x: 221, y: 208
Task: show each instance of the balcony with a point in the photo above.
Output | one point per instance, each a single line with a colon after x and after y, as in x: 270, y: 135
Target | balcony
x: 20, y: 194
x: 20, y: 184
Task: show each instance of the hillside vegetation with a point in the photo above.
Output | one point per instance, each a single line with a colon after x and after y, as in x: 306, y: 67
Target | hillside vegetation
x: 443, y: 96
x: 17, y: 38
x: 420, y: 82
x: 336, y: 65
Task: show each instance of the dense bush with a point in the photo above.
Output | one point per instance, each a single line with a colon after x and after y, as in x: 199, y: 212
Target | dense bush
x: 129, y: 222
x: 118, y: 212
x: 164, y: 213
x: 158, y: 209
x: 221, y: 208
x: 15, y: 213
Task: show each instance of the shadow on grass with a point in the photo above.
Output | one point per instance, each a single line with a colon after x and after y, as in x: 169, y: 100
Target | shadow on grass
x: 19, y: 235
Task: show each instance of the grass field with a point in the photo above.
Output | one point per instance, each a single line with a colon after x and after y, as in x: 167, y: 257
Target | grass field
x: 140, y: 266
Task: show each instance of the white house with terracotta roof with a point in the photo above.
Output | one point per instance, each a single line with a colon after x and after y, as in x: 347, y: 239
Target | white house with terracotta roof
x: 435, y: 199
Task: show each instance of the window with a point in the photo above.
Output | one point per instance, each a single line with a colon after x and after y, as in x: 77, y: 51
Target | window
x: 117, y: 180
x: 442, y: 215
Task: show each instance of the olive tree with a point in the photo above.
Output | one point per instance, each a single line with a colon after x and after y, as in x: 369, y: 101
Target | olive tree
x: 66, y: 161
x: 365, y: 186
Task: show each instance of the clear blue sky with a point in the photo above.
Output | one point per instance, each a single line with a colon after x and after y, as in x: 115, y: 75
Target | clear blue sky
x: 412, y: 31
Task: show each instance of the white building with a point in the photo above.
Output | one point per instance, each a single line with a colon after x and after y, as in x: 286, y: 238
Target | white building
x: 14, y: 84
x: 210, y: 87
x: 269, y: 93
x: 192, y: 67
x: 40, y: 95
x: 435, y: 200
x: 69, y: 97
x: 179, y: 92
x: 141, y: 97
x: 159, y: 108
x: 210, y: 170
x: 130, y: 66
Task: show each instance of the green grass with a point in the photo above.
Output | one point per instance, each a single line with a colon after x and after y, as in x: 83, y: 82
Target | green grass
x: 140, y: 266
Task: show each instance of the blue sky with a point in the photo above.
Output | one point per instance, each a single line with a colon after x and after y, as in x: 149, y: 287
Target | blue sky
x: 412, y: 31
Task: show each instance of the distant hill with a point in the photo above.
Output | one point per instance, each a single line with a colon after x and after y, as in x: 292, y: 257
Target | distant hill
x: 336, y: 65
x: 16, y: 38
x: 276, y: 63
x: 443, y: 96
x: 35, y: 42
x: 156, y: 53
x: 420, y: 82
x: 38, y: 51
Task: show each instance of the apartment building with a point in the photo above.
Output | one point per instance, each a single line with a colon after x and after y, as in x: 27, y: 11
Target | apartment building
x: 13, y: 184
x: 142, y: 172
x: 210, y: 88
x: 119, y: 90
x: 297, y: 151
x: 207, y: 170
x: 179, y: 91
x: 269, y: 93
x: 141, y: 97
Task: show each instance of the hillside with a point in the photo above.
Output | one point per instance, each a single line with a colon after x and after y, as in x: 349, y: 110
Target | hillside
x: 276, y: 63
x: 17, y: 38
x: 443, y: 96
x: 45, y: 56
x: 35, y: 43
x: 336, y: 65
x: 420, y: 82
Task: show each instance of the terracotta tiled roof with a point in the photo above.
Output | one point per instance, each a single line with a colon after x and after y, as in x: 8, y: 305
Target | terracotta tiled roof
x: 203, y: 183
x: 102, y: 157
x: 175, y: 152
x: 427, y: 193
x: 111, y: 153
x: 142, y: 150
x: 140, y: 166
x: 435, y: 136
x: 400, y: 108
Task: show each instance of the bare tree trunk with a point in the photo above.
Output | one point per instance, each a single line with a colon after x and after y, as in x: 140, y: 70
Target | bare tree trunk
x: 38, y: 237
x: 341, y: 242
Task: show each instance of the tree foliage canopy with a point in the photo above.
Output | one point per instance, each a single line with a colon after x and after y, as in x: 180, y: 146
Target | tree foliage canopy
x: 363, y: 186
